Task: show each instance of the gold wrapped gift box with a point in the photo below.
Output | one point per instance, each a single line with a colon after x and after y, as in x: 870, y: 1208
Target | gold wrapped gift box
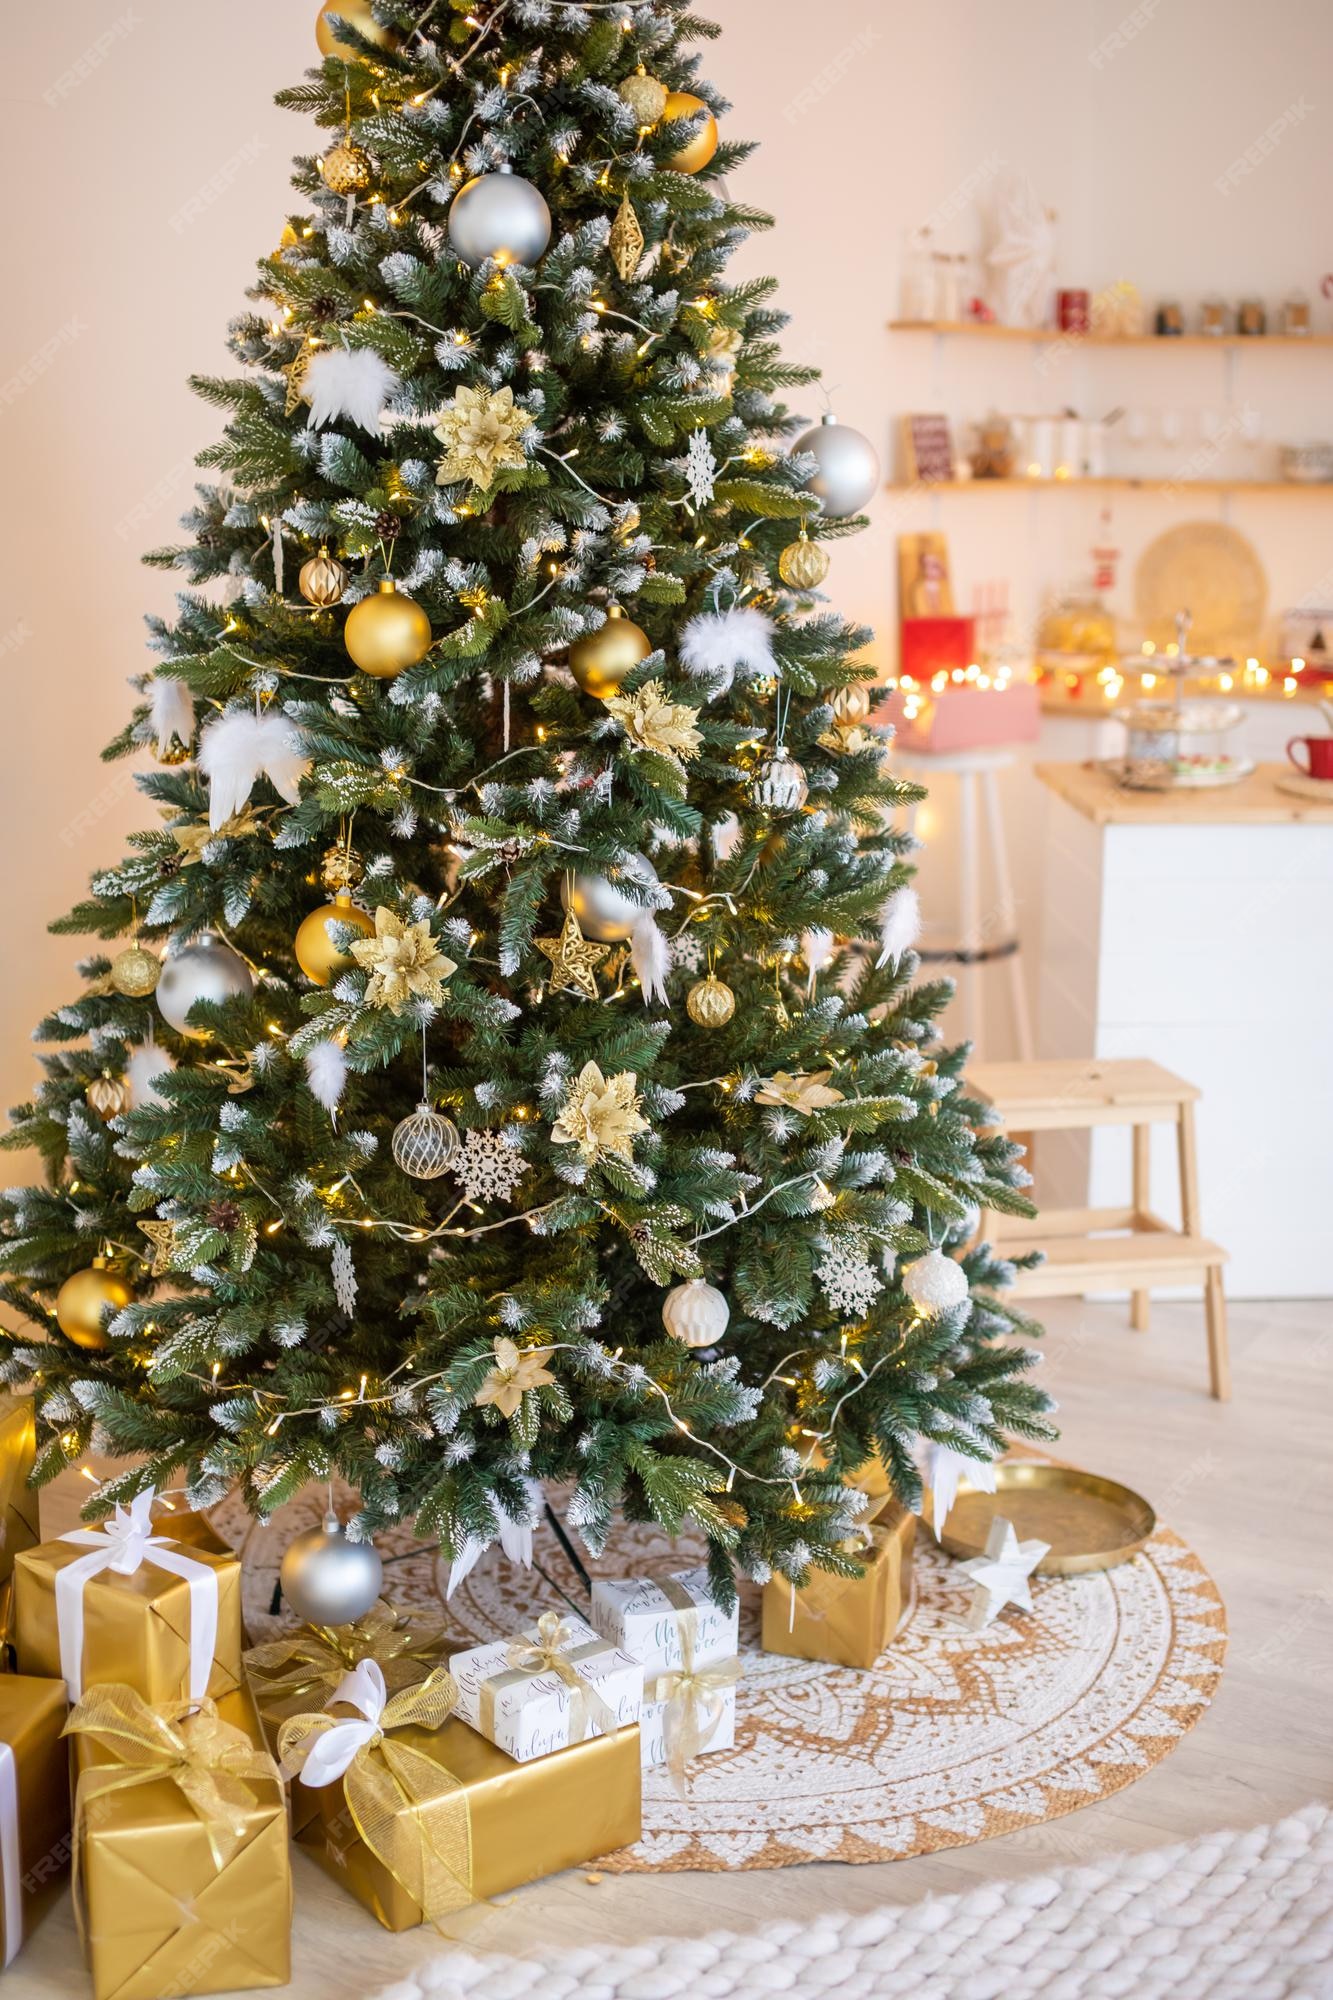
x: 847, y: 1621
x: 524, y: 1820
x: 34, y: 1805
x: 136, y: 1629
x: 170, y: 1905
x: 18, y: 1502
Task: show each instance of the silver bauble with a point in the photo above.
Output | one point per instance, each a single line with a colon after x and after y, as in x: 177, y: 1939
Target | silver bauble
x: 499, y: 215
x: 424, y: 1145
x: 779, y: 783
x: 207, y: 969
x: 848, y: 472
x: 695, y: 1313
x: 604, y: 912
x: 328, y: 1580
x: 935, y: 1283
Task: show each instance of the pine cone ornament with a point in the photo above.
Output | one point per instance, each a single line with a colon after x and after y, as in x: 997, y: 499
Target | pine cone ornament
x: 388, y: 525
x: 223, y: 1215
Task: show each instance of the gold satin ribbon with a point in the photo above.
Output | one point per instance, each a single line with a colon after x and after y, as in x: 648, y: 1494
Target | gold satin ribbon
x: 310, y: 1664
x: 695, y: 1700
x: 553, y: 1651
x: 410, y: 1812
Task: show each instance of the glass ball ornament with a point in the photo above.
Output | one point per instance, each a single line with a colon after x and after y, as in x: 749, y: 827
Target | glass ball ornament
x: 346, y: 169
x: 82, y: 1300
x: 646, y: 98
x: 935, y: 1283
x: 322, y: 581
x: 355, y: 14
x: 425, y: 1144
x: 696, y: 1313
x: 694, y: 155
x: 206, y: 969
x: 328, y: 1580
x: 780, y: 783
x: 316, y: 953
x: 502, y: 216
x: 601, y: 662
x: 386, y: 634
x: 604, y: 912
x: 135, y: 972
x: 711, y: 1003
x: 803, y: 564
x: 848, y: 466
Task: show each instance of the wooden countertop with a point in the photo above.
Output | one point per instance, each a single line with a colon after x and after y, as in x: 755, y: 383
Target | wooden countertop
x: 1255, y: 801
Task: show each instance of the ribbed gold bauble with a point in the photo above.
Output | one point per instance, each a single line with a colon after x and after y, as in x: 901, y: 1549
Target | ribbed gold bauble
x: 693, y: 157
x: 803, y: 564
x: 645, y: 96
x: 83, y: 1299
x: 316, y: 953
x: 386, y: 634
x: 107, y: 1096
x: 851, y: 705
x: 135, y: 972
x: 346, y: 168
x: 323, y: 580
x: 600, y: 662
x: 711, y: 1003
x: 356, y: 14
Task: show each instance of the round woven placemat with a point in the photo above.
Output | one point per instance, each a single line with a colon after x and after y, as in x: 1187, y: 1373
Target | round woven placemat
x: 953, y: 1737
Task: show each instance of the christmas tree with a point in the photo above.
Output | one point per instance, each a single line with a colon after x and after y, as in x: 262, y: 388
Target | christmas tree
x: 505, y: 1064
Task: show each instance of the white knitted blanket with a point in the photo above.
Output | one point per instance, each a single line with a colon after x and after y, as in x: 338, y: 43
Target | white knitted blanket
x: 1231, y: 1916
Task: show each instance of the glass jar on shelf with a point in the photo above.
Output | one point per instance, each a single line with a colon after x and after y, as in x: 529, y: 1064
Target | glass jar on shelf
x: 1213, y: 317
x: 1296, y: 314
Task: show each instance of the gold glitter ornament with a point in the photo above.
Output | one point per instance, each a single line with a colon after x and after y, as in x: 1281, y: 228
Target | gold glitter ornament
x: 711, y: 1003
x: 107, y: 1096
x: 695, y: 154
x: 296, y: 375
x: 626, y: 240
x: 803, y: 564
x: 135, y: 972
x: 601, y: 662
x: 341, y: 869
x: 574, y: 961
x: 172, y: 753
x: 322, y: 581
x: 645, y: 96
x: 346, y: 169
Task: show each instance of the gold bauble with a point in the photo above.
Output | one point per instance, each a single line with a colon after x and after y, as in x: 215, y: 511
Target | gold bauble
x: 316, y: 953
x: 83, y: 1299
x: 803, y: 564
x: 600, y: 662
x: 107, y: 1096
x: 356, y: 14
x: 386, y: 634
x: 693, y: 157
x: 346, y: 168
x: 645, y: 96
x: 851, y: 705
x: 172, y: 753
x: 341, y: 868
x: 322, y: 581
x: 135, y: 972
x: 711, y: 1003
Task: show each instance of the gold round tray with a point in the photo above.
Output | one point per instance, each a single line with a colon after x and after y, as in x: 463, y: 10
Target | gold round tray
x: 1090, y: 1523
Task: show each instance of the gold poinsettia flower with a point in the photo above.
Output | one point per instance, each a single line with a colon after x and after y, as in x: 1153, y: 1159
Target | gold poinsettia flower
x: 601, y: 1115
x: 516, y: 1370
x: 481, y: 431
x: 404, y: 963
x: 800, y: 1092
x: 653, y: 722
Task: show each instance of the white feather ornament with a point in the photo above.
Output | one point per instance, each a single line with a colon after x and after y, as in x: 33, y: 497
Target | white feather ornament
x: 817, y: 949
x: 326, y: 1073
x: 146, y: 1065
x: 717, y: 645
x: 899, y: 925
x: 234, y: 750
x: 349, y: 382
x: 652, y: 959
x: 171, y: 711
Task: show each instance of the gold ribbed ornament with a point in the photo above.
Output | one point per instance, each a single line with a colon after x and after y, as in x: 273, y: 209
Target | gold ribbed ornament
x: 600, y: 662
x: 386, y: 634
x: 711, y: 1003
x: 107, y: 1096
x: 323, y: 581
x: 317, y: 955
x: 645, y: 96
x: 695, y: 154
x: 346, y: 168
x: 135, y: 972
x: 626, y: 239
x: 803, y: 564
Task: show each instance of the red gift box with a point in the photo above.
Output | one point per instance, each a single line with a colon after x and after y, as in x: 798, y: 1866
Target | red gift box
x: 932, y: 645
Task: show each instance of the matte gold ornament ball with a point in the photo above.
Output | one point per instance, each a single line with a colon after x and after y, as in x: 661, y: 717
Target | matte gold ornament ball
x: 346, y: 168
x: 356, y: 14
x: 694, y: 156
x: 803, y: 564
x: 386, y: 634
x: 601, y: 662
x: 322, y: 581
x: 83, y: 1299
x: 646, y: 98
x: 711, y: 1003
x: 317, y: 955
x: 135, y: 972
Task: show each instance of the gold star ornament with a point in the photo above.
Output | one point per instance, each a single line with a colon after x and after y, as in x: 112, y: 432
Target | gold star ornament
x: 573, y: 960
x: 162, y: 1236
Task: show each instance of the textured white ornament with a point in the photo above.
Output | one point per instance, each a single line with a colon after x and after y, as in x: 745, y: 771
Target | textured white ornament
x: 696, y: 1313
x: 700, y: 468
x: 1000, y: 1577
x: 715, y: 646
x: 326, y: 1072
x: 328, y: 1580
x: 146, y: 1066
x: 848, y: 467
x: 489, y: 1167
x: 352, y: 382
x: 171, y: 709
x: 238, y: 748
x: 499, y: 215
x: 206, y: 969
x: 899, y: 925
x: 935, y: 1283
x: 424, y: 1144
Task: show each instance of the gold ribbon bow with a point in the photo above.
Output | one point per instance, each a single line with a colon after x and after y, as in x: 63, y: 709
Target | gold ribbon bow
x: 553, y: 1651
x: 695, y: 1700
x: 410, y: 1812
x: 308, y: 1665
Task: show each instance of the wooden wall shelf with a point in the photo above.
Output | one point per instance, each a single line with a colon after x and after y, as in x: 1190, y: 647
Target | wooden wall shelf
x: 1051, y: 336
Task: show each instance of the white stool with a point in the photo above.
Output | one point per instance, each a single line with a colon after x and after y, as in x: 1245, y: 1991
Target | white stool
x: 981, y: 941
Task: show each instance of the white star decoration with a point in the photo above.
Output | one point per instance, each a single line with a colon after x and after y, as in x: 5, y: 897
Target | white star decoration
x: 1000, y: 1577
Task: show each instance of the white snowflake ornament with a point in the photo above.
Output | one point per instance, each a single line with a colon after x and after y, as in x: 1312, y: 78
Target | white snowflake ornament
x: 700, y: 468
x: 850, y: 1284
x: 489, y: 1167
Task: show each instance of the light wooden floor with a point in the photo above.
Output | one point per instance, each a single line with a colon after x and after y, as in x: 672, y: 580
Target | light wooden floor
x: 1249, y: 1484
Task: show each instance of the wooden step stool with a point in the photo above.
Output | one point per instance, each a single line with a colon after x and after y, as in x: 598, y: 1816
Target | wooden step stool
x: 1081, y: 1257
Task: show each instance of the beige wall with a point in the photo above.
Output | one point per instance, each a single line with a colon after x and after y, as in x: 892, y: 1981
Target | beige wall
x: 145, y: 130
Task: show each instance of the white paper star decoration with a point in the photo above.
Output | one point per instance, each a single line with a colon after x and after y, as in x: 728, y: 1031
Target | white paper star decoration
x: 1000, y: 1577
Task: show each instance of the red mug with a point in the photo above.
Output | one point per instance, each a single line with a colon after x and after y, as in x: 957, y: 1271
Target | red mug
x: 1319, y: 749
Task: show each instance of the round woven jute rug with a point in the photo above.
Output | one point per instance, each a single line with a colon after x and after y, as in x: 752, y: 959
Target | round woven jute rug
x: 953, y: 1737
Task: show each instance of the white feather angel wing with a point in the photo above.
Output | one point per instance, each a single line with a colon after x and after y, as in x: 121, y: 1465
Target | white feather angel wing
x: 234, y: 750
x: 348, y: 382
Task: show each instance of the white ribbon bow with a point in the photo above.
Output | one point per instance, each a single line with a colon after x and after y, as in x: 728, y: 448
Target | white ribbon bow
x: 123, y: 1545
x: 332, y: 1751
